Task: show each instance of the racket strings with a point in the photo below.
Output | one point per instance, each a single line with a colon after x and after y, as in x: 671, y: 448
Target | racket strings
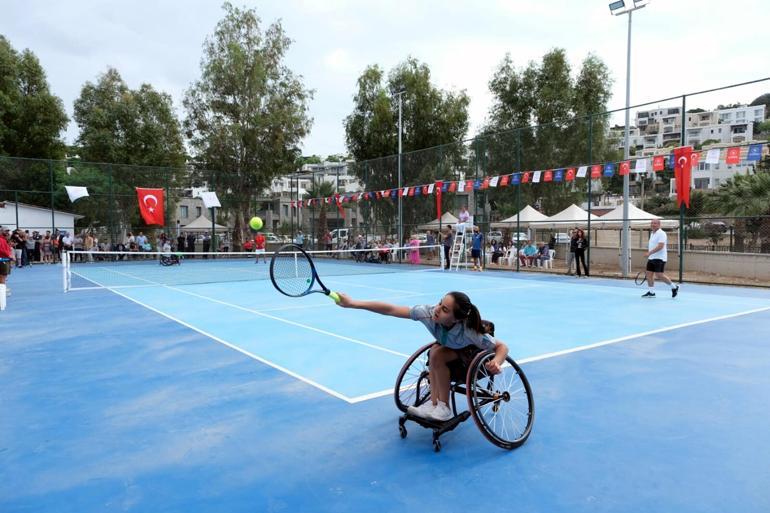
x: 292, y: 273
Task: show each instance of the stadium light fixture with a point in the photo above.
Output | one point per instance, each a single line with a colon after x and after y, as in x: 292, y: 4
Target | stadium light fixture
x: 618, y: 8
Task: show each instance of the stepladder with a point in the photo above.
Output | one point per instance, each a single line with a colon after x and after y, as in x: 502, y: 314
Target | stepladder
x: 458, y: 256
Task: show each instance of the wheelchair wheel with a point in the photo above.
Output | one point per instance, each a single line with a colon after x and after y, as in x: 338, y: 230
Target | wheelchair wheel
x: 412, y: 384
x: 502, y: 405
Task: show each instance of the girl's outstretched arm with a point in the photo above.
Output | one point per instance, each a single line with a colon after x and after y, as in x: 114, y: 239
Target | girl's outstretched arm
x: 375, y: 306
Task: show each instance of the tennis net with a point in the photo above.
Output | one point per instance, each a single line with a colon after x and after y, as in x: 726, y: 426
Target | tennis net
x: 85, y: 270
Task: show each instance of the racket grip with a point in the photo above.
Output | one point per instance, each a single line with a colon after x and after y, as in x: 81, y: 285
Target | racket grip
x: 334, y: 296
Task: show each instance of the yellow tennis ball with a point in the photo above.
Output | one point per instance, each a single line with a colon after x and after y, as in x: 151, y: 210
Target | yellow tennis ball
x: 255, y: 223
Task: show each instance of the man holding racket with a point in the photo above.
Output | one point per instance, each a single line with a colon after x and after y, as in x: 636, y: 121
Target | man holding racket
x: 259, y: 247
x: 657, y: 254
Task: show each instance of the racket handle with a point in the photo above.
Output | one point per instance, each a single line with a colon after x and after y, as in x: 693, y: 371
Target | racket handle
x: 334, y: 296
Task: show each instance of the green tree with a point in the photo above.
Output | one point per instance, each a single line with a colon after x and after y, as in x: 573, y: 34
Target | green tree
x: 431, y: 117
x: 131, y: 136
x: 31, y: 121
x: 321, y: 189
x: 542, y: 118
x: 31, y: 117
x: 247, y: 114
x: 746, y: 197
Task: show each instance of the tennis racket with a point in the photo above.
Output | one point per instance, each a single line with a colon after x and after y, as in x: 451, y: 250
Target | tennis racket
x: 293, y: 273
x: 641, y: 278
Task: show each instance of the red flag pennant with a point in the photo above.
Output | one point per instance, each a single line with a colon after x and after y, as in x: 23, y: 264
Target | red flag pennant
x: 339, y: 206
x: 625, y: 168
x: 695, y: 159
x: 733, y: 156
x: 485, y: 183
x: 596, y: 171
x: 452, y: 186
x: 411, y: 191
x: 151, y: 205
x: 504, y: 180
x: 570, y: 174
x: 424, y: 190
x: 658, y: 163
x: 468, y: 185
x: 683, y: 174
x: 548, y: 175
x: 525, y: 177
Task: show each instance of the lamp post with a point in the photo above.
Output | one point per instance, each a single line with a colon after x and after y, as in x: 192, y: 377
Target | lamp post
x: 400, y: 95
x: 619, y: 8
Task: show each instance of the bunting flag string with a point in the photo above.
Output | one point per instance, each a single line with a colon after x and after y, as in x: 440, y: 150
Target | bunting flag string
x: 731, y: 156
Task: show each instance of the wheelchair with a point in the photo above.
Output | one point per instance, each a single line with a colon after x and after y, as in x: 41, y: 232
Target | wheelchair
x: 171, y: 259
x: 502, y: 406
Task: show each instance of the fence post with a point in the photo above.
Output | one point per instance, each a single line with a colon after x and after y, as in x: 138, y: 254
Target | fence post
x: 590, y: 181
x: 51, y: 183
x: 16, y: 206
x: 518, y: 197
x: 682, y: 207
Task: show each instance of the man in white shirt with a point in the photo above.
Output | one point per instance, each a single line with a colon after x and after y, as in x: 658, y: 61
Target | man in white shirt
x: 657, y: 254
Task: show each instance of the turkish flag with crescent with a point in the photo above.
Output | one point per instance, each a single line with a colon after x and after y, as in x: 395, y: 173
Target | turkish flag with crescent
x: 151, y: 205
x: 683, y: 174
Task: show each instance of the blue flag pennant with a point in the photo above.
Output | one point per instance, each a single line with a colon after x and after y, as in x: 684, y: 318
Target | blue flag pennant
x: 515, y: 178
x: 418, y: 191
x: 477, y: 185
x: 755, y: 152
x: 445, y: 187
x: 558, y: 175
x: 609, y: 170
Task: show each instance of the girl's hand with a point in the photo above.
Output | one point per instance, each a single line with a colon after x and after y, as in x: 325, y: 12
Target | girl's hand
x: 345, y: 300
x: 493, y: 367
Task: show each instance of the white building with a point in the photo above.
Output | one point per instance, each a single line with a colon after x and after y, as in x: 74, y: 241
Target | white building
x: 661, y: 127
x: 34, y: 218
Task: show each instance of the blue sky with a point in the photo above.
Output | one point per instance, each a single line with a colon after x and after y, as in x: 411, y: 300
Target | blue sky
x: 677, y: 46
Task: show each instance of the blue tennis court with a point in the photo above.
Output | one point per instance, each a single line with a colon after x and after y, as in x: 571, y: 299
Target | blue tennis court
x: 228, y: 396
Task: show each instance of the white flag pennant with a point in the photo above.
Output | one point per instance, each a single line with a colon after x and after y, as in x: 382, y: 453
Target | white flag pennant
x: 461, y: 185
x: 493, y: 181
x: 641, y: 166
x: 536, y: 177
x: 430, y: 188
x: 582, y: 170
x: 712, y: 157
x: 75, y: 193
x: 210, y: 199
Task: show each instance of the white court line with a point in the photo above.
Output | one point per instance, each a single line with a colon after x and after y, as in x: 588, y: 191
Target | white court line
x: 310, y: 382
x: 586, y: 347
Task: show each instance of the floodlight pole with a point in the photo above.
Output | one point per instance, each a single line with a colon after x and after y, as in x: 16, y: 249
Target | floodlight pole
x: 400, y: 185
x: 625, y: 239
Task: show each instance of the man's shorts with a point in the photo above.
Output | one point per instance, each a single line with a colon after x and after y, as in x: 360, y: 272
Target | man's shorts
x: 5, y: 268
x: 656, y: 265
x: 259, y: 251
x: 475, y: 253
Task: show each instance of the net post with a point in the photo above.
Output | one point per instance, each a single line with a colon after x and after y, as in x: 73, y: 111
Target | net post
x: 65, y: 262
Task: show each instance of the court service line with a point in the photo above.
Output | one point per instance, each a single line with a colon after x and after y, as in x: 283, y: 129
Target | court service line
x: 268, y: 316
x: 586, y: 347
x: 293, y: 323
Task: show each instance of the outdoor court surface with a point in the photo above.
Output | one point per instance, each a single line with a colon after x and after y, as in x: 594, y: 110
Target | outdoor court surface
x: 229, y: 397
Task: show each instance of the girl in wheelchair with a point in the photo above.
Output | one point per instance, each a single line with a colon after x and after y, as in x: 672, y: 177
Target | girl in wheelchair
x: 456, y: 325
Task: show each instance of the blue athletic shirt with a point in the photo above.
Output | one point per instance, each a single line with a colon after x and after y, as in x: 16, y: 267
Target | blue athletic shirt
x: 477, y: 238
x: 457, y: 337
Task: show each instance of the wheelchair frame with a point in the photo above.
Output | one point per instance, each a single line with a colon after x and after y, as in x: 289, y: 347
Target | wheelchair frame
x: 478, y: 397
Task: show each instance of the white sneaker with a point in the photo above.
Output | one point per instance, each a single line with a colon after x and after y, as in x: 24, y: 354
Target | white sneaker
x: 424, y: 410
x: 441, y: 412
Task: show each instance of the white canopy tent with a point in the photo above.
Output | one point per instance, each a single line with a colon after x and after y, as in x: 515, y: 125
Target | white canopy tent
x: 571, y: 216
x: 203, y: 224
x: 447, y: 219
x: 638, y: 219
x: 526, y: 215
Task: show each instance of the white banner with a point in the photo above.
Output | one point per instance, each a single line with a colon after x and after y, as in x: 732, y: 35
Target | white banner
x: 712, y: 157
x: 641, y: 166
x: 493, y: 181
x: 536, y: 176
x: 210, y: 199
x: 582, y: 170
x: 75, y: 193
x: 461, y: 185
